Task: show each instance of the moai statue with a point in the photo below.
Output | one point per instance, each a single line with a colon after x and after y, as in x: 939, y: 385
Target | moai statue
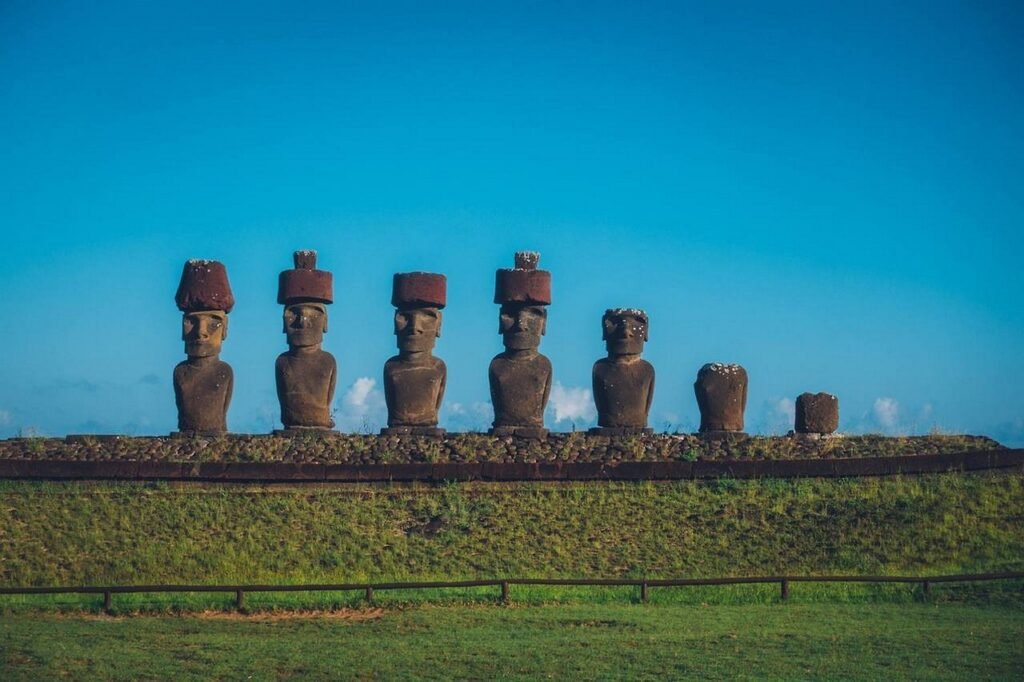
x: 817, y: 414
x: 623, y: 382
x: 721, y: 396
x: 520, y: 376
x: 306, y: 374
x: 414, y: 380
x: 203, y: 383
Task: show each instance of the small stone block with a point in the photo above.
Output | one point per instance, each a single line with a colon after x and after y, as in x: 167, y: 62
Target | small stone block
x: 816, y: 413
x: 730, y: 436
x: 529, y: 432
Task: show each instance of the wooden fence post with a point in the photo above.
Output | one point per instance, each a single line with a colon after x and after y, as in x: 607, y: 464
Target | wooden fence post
x: 369, y: 594
x: 239, y: 599
x: 785, y: 589
x: 504, y: 591
x: 108, y: 599
x: 643, y: 592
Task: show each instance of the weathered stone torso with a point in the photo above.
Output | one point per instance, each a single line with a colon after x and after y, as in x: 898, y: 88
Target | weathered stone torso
x: 305, y: 387
x: 202, y: 392
x: 519, y: 389
x: 413, y: 391
x: 623, y: 392
x: 721, y: 391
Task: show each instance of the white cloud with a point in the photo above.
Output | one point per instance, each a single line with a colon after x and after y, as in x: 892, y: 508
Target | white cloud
x: 886, y: 412
x: 572, y: 404
x: 362, y: 407
x: 475, y: 416
x: 359, y: 392
x: 778, y: 415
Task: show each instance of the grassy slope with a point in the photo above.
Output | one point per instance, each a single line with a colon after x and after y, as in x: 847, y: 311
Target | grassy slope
x: 561, y: 642
x: 53, y: 534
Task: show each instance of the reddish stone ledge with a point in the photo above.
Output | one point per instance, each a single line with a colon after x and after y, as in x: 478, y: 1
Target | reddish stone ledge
x: 297, y: 472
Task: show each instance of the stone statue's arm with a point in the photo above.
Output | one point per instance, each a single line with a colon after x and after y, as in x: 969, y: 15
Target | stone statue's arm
x: 333, y: 382
x: 547, y: 391
x: 598, y: 395
x: 650, y: 394
x: 282, y: 390
x: 389, y: 393
x: 177, y: 387
x: 492, y: 380
x: 229, y: 390
x: 444, y: 384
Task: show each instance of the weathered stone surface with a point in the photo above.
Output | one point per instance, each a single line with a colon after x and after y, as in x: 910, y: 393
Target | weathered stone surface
x: 203, y: 383
x: 202, y: 392
x: 356, y: 450
x: 816, y: 413
x: 623, y: 382
x: 618, y: 431
x: 427, y: 431
x: 524, y: 432
x: 721, y: 391
x: 414, y: 380
x: 520, y: 377
x: 306, y: 374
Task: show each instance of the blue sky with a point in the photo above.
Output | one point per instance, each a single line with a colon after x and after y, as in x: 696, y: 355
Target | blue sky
x: 828, y: 194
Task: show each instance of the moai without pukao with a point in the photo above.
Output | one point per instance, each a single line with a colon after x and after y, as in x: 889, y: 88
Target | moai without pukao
x: 414, y: 380
x: 817, y: 414
x: 203, y: 382
x: 721, y: 391
x: 520, y: 377
x: 306, y: 374
x: 623, y: 382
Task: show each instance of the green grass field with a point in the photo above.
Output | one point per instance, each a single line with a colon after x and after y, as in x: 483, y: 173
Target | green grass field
x: 135, y: 533
x: 574, y: 641
x: 131, y: 533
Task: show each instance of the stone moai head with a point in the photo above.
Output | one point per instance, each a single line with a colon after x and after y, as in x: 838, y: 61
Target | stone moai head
x: 523, y: 292
x: 721, y: 396
x: 305, y: 293
x: 816, y: 413
x: 624, y: 331
x: 204, y: 298
x: 418, y: 298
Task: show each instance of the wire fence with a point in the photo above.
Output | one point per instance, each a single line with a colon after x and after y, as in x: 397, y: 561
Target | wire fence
x: 505, y: 584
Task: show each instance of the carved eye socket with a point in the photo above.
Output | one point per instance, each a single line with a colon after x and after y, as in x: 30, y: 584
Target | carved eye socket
x: 401, y: 320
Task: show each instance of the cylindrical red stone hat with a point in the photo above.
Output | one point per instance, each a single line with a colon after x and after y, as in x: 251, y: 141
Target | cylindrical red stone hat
x: 305, y: 283
x: 524, y: 283
x: 204, y: 286
x: 419, y: 290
